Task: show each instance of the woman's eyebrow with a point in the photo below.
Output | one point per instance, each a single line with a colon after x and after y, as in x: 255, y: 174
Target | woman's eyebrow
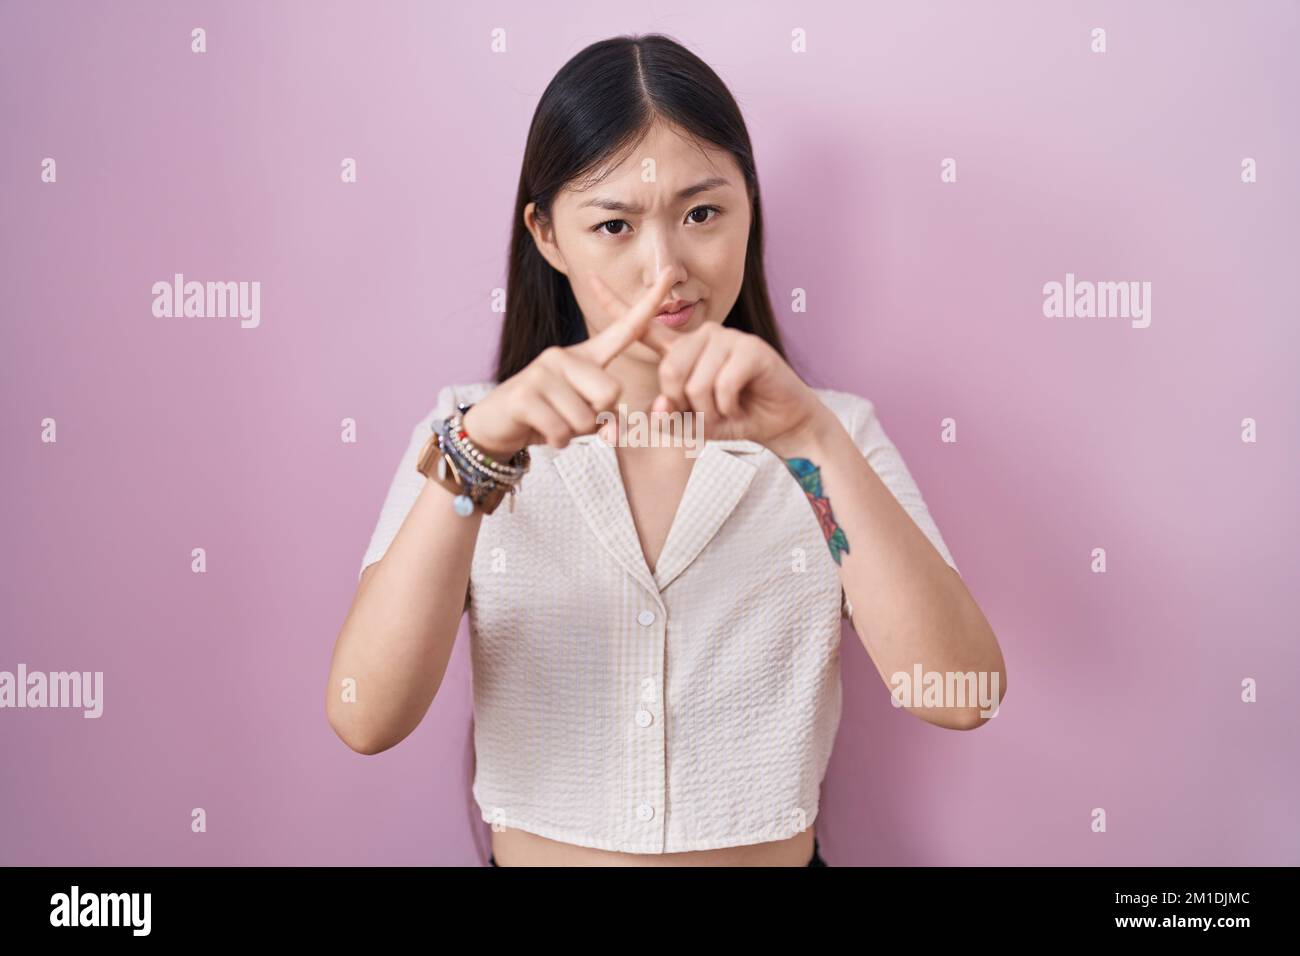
x: 613, y: 205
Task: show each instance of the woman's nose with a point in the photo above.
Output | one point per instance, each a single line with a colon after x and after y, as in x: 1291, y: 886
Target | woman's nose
x: 664, y: 255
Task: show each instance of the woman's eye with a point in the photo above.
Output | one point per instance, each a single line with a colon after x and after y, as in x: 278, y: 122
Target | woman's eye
x: 700, y: 222
x: 603, y: 229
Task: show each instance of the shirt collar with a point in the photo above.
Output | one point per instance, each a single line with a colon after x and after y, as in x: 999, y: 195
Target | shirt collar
x: 719, y: 479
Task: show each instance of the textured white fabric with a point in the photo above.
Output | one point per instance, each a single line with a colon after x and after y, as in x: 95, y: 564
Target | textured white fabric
x: 686, y: 709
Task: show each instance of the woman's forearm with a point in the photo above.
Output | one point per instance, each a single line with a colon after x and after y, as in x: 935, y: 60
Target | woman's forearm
x: 391, y: 654
x: 910, y: 608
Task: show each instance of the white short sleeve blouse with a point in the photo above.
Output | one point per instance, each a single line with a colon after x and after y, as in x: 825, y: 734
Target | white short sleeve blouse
x: 688, y: 708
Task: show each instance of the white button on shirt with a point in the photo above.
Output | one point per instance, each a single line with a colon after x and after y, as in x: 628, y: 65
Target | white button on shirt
x: 709, y: 687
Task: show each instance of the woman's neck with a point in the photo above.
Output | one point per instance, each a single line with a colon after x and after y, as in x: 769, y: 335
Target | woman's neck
x: 640, y: 382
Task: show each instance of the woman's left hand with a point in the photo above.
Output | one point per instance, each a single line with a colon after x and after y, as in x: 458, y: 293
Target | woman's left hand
x: 741, y: 388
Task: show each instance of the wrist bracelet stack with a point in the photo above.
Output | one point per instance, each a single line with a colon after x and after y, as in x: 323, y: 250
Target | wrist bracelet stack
x: 479, y: 480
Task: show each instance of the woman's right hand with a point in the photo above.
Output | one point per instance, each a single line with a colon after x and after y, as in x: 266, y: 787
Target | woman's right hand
x: 559, y: 394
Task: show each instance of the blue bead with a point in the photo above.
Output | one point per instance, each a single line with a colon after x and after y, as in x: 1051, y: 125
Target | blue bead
x: 464, y: 505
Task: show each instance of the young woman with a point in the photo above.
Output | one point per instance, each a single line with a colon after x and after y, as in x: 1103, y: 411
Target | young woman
x: 655, y: 624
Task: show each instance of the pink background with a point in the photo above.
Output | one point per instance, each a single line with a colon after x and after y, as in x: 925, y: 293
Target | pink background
x: 1124, y: 687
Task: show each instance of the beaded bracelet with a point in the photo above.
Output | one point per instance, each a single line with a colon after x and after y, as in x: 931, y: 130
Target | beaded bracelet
x: 507, y: 472
x: 481, y: 480
x: 478, y: 459
x: 472, y: 488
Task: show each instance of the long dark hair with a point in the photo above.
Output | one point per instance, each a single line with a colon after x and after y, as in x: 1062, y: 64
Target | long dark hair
x: 599, y: 105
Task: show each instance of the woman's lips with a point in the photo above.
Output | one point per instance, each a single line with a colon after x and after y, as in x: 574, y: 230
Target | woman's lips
x: 675, y: 320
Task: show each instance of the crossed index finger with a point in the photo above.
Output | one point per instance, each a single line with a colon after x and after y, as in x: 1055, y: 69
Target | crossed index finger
x: 631, y: 323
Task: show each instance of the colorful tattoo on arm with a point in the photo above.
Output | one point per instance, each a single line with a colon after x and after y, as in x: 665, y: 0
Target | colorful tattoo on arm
x: 809, y: 477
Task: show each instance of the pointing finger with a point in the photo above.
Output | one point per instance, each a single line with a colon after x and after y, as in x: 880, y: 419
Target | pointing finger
x: 630, y: 323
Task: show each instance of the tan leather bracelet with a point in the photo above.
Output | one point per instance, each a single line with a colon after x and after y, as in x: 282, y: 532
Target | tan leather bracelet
x: 436, y: 464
